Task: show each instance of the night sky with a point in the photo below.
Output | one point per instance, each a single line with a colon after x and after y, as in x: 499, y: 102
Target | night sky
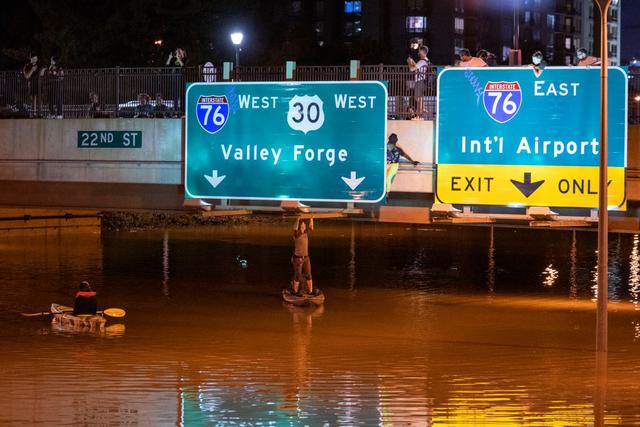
x: 123, y: 33
x: 630, y: 30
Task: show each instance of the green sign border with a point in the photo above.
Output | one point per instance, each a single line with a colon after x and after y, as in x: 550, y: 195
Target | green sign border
x: 188, y: 194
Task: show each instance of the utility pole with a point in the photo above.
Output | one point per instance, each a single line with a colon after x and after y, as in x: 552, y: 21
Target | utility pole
x: 603, y: 215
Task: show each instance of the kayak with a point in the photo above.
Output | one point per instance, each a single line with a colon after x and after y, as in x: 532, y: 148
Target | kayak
x: 67, y: 320
x: 304, y: 299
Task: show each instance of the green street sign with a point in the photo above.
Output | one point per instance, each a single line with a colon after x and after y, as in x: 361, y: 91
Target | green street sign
x: 314, y: 141
x: 109, y: 139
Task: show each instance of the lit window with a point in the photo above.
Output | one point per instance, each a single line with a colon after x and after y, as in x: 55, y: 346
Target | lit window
x: 567, y: 43
x: 352, y: 28
x: 352, y: 7
x: 458, y: 24
x: 296, y: 7
x: 416, y: 24
x: 551, y: 21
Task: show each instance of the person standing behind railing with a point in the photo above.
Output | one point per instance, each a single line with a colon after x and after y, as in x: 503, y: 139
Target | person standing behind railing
x: 160, y: 110
x: 177, y: 59
x: 143, y: 110
x: 488, y: 57
x: 55, y: 76
x: 586, y: 60
x: 466, y: 60
x: 420, y: 69
x: 31, y: 73
x: 96, y: 110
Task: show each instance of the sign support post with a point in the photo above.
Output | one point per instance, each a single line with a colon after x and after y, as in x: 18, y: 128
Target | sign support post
x: 603, y: 214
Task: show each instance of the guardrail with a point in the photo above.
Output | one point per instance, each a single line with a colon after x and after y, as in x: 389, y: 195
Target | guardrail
x: 123, y: 92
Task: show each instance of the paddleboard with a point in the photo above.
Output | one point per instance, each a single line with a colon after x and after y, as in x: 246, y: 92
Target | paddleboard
x: 304, y: 299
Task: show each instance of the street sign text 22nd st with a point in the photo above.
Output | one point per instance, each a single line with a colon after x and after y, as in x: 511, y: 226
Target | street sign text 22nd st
x: 322, y: 141
x: 507, y: 136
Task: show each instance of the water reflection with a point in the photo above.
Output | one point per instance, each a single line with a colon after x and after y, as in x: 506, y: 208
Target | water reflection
x: 419, y: 344
x: 165, y: 263
x: 594, y: 280
x: 615, y: 271
x: 549, y: 275
x: 491, y: 268
x: 573, y: 267
x: 352, y: 258
x: 299, y: 382
x: 634, y: 273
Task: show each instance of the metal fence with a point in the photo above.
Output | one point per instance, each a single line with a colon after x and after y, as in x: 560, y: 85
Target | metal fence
x: 121, y: 91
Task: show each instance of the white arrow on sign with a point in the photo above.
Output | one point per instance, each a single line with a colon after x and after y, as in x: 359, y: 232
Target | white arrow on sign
x: 214, y: 179
x: 352, y: 182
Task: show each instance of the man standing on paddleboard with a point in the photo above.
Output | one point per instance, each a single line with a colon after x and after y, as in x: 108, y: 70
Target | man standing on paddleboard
x: 300, y: 259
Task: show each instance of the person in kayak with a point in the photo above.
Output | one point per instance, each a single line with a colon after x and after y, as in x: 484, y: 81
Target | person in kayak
x: 300, y: 259
x: 86, y: 302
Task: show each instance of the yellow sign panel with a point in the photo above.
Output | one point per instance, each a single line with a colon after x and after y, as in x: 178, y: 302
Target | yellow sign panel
x: 566, y: 186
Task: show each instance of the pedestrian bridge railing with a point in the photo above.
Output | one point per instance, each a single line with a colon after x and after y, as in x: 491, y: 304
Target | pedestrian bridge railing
x: 120, y: 90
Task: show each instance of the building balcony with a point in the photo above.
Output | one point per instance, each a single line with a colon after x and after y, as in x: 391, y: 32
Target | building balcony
x: 566, y: 8
x: 562, y: 28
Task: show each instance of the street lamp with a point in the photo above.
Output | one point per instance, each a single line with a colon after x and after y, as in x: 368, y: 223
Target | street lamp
x: 236, y: 39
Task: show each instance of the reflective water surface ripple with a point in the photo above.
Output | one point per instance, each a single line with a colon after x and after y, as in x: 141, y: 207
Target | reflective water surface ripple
x: 422, y: 326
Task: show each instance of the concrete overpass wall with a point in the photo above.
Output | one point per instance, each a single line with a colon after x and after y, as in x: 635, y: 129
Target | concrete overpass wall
x: 41, y: 163
x: 47, y: 150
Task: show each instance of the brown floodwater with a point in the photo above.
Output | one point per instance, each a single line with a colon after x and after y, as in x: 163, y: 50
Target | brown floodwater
x: 421, y: 326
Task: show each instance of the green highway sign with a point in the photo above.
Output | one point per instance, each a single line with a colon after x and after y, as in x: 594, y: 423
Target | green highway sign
x: 109, y: 139
x: 314, y: 141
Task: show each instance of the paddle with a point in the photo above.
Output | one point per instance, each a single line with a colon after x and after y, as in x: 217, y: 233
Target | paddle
x: 111, y: 312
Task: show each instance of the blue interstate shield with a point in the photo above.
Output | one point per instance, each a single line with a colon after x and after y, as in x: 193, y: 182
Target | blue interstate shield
x: 212, y: 112
x: 502, y: 100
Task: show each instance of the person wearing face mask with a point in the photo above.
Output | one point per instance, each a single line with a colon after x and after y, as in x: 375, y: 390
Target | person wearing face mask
x: 537, y: 62
x: 585, y: 60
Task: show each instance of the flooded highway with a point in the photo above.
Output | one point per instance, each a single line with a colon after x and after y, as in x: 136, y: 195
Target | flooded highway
x: 421, y: 326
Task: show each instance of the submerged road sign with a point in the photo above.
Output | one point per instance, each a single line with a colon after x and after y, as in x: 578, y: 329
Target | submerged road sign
x: 316, y: 141
x: 506, y: 136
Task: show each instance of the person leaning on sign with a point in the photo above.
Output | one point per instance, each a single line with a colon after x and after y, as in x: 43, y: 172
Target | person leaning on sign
x: 393, y: 160
x: 466, y: 60
x: 537, y: 62
x: 585, y: 60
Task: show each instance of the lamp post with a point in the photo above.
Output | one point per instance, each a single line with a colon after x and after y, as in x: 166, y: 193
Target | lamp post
x: 603, y: 214
x: 236, y: 39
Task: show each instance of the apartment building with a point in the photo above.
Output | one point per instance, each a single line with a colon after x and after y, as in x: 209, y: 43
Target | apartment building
x: 556, y: 27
